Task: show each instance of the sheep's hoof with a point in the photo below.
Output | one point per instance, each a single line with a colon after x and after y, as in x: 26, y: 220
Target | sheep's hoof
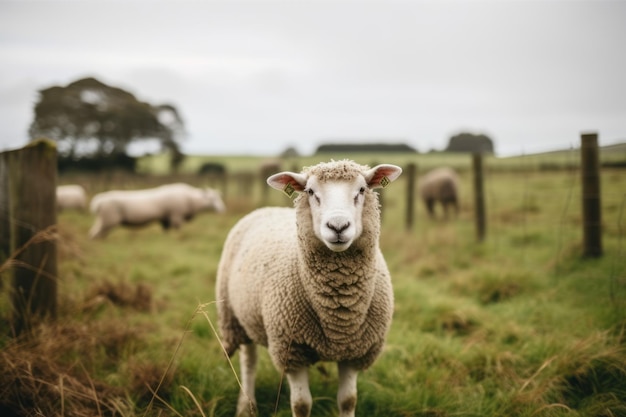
x: 246, y: 408
x: 248, y: 413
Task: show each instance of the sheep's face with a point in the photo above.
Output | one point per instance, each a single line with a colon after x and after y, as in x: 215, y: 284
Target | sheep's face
x: 336, y: 209
x: 336, y: 193
x: 211, y: 199
x: 215, y: 200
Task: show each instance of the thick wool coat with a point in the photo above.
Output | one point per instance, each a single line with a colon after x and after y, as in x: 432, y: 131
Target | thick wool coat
x: 279, y: 286
x: 440, y: 184
x: 170, y: 204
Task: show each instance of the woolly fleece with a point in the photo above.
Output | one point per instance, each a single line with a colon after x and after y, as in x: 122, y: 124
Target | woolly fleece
x: 72, y: 196
x: 170, y: 204
x: 439, y: 185
x: 280, y: 287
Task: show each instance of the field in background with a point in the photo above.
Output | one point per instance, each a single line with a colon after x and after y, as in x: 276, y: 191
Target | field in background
x: 610, y: 155
x: 519, y: 325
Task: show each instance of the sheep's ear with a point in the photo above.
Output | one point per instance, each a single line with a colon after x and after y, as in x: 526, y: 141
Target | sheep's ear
x: 287, y: 182
x: 382, y: 175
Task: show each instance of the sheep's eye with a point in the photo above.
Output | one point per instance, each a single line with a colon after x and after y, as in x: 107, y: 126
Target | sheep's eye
x: 311, y: 193
x: 361, y: 192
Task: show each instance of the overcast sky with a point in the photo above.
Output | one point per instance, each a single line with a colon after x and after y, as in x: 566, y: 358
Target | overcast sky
x: 259, y: 76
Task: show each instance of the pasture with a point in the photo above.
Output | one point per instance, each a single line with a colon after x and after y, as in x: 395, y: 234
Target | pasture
x: 517, y: 325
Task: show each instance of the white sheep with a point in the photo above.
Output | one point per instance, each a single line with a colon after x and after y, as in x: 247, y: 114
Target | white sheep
x: 440, y: 185
x: 71, y: 197
x: 170, y: 204
x: 309, y: 283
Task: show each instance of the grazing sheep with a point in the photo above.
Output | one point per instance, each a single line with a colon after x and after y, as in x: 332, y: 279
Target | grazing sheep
x: 71, y: 197
x: 170, y: 204
x: 309, y: 283
x: 440, y: 185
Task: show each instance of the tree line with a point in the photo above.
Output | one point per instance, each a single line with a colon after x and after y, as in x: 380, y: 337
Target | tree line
x: 94, y: 124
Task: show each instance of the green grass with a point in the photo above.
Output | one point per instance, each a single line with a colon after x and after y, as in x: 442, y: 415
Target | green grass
x: 518, y: 325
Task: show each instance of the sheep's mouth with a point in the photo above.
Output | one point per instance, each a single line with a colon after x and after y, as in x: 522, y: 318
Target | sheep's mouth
x: 338, y: 245
x: 340, y: 241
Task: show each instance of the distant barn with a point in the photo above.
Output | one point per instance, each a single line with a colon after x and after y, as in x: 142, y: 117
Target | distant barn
x: 365, y: 147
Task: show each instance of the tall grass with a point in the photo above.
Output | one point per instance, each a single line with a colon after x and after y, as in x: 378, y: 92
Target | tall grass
x: 519, y: 325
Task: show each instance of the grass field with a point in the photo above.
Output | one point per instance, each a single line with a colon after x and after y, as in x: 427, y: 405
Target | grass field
x: 518, y: 325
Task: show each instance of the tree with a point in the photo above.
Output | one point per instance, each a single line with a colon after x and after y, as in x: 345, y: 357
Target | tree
x: 89, y: 119
x: 468, y: 142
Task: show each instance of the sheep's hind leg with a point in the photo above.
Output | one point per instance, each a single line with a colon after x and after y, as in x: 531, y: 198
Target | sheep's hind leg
x: 346, y: 394
x: 430, y: 207
x: 246, y: 405
x: 300, y: 394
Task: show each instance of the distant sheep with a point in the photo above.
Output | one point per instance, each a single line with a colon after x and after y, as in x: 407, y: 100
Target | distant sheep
x: 309, y: 283
x: 171, y: 205
x: 71, y: 197
x: 441, y: 185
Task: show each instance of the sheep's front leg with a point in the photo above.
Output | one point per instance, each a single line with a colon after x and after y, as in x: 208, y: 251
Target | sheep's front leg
x: 176, y: 220
x: 246, y: 405
x: 98, y: 229
x: 301, y: 400
x: 346, y: 394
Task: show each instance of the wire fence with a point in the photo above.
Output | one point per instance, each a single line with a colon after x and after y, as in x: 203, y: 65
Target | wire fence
x: 520, y: 202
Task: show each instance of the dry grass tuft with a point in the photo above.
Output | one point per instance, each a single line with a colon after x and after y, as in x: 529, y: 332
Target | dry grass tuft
x: 498, y: 292
x: 81, y: 368
x: 52, y: 372
x: 122, y: 294
x: 46, y: 374
x: 46, y: 235
x: 148, y: 378
x: 588, y: 377
x: 596, y: 378
x: 458, y: 323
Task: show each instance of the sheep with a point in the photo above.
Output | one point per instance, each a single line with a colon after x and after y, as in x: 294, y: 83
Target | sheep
x: 70, y: 197
x: 170, y: 204
x: 440, y: 185
x: 309, y: 283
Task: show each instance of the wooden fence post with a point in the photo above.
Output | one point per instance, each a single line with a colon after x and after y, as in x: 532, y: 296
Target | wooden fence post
x: 266, y: 170
x: 410, y: 195
x: 28, y: 217
x: 592, y: 213
x: 479, y: 196
x: 5, y: 224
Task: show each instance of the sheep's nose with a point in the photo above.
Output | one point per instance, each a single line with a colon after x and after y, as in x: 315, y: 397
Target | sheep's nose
x: 338, y: 226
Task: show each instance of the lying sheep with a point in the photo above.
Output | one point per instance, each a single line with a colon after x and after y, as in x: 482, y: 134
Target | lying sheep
x: 309, y: 283
x: 71, y: 197
x: 171, y: 205
x: 440, y: 185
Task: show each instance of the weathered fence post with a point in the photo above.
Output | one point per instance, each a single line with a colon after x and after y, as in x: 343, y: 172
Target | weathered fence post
x: 479, y: 196
x: 5, y: 237
x: 28, y: 216
x: 592, y: 213
x: 410, y: 195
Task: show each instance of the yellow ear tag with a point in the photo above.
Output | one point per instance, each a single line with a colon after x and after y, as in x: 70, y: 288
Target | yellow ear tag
x: 289, y: 190
x: 384, y: 181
